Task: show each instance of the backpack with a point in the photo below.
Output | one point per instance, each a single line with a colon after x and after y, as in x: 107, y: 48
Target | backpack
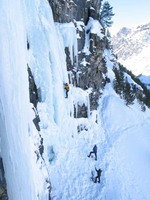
x: 95, y: 148
x: 67, y: 86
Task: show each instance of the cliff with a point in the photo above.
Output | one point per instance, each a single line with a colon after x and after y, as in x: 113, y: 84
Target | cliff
x: 87, y: 70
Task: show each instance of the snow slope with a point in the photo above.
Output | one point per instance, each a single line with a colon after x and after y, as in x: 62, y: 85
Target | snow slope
x: 121, y: 133
x: 128, y: 151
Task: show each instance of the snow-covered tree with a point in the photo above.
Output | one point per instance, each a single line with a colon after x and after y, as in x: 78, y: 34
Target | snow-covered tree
x: 118, y: 81
x: 128, y: 94
x: 106, y: 15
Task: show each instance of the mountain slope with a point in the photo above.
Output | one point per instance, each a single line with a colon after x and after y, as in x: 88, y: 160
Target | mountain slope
x: 132, y: 47
x: 127, y: 139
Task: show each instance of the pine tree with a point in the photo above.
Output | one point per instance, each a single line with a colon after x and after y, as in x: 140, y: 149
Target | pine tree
x: 147, y: 97
x: 116, y: 83
x: 119, y: 81
x: 140, y: 99
x: 127, y: 93
x: 106, y: 15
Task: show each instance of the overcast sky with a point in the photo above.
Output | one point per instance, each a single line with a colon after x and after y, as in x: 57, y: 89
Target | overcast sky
x: 129, y: 13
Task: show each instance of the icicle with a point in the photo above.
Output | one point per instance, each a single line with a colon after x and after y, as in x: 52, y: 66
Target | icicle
x: 87, y: 44
x: 77, y: 77
x: 69, y: 35
x: 71, y: 77
x: 88, y: 106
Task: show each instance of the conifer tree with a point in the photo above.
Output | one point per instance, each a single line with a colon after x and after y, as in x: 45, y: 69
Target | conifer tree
x: 147, y: 97
x: 140, y: 99
x: 119, y: 81
x: 130, y: 91
x: 106, y: 15
x: 127, y: 93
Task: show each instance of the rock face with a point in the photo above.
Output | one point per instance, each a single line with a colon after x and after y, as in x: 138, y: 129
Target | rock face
x: 91, y: 69
x: 3, y: 186
x: 69, y: 10
x: 33, y: 91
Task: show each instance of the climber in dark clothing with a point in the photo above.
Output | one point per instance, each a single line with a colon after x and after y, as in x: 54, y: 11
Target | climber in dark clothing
x: 97, y: 178
x: 94, y: 151
x: 41, y: 148
x: 67, y: 89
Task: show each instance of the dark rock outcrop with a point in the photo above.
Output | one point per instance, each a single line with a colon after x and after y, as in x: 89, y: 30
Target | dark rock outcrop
x: 3, y: 186
x: 33, y: 91
x: 69, y: 10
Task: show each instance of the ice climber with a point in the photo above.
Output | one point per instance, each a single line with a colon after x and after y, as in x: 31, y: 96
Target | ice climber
x: 94, y: 151
x: 97, y: 178
x: 41, y: 148
x: 67, y: 89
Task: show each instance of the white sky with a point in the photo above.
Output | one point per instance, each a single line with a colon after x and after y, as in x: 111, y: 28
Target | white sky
x: 129, y: 13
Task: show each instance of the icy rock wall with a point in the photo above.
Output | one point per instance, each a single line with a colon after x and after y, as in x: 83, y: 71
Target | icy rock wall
x: 28, y: 38
x: 88, y: 67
